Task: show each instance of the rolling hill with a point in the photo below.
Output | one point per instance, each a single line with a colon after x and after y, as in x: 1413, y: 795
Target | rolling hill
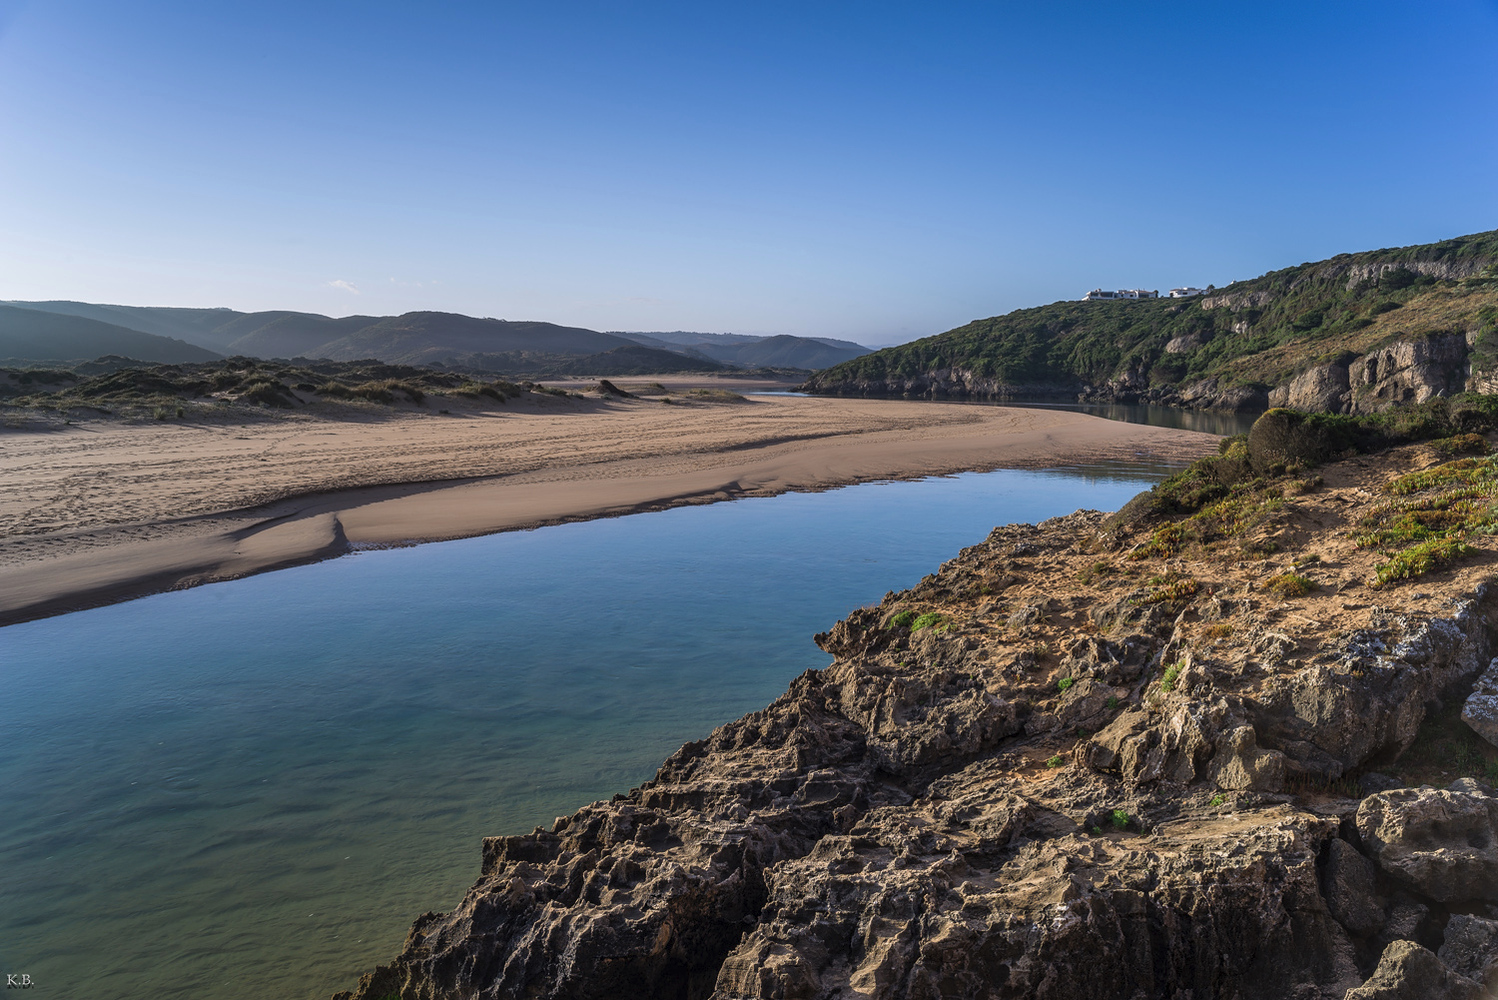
x: 35, y: 335
x: 1355, y: 332
x: 742, y: 349
x: 442, y: 338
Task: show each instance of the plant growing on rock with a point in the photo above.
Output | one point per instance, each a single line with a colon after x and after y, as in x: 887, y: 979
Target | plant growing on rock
x: 1120, y: 819
x: 1065, y: 683
x: 1172, y: 674
x: 1168, y: 589
x: 931, y: 619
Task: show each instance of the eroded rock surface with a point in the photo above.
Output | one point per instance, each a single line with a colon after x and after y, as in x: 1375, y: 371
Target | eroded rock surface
x: 1099, y: 774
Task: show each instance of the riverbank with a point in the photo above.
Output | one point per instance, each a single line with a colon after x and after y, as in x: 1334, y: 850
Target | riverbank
x: 1224, y: 743
x: 101, y: 511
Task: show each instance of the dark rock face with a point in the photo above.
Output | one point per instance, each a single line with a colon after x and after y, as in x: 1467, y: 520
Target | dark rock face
x: 1014, y: 804
x: 1471, y: 948
x: 1350, y: 884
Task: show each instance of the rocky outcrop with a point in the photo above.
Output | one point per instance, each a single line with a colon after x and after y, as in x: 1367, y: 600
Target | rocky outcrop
x: 1470, y: 948
x: 1408, y: 371
x: 1449, y: 269
x: 1480, y: 711
x: 1441, y: 844
x: 1410, y: 972
x: 1322, y: 389
x: 1085, y: 775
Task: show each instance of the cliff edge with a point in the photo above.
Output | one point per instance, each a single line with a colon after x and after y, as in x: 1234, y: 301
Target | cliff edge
x: 1221, y: 744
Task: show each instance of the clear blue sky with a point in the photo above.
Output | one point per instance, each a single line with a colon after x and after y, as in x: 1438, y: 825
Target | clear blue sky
x: 863, y: 170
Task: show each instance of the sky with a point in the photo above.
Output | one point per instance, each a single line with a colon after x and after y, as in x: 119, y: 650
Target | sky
x: 870, y: 171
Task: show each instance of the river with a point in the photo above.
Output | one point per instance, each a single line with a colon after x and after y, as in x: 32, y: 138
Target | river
x: 250, y: 789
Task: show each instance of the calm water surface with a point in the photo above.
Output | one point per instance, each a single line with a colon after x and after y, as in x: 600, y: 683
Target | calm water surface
x: 249, y: 789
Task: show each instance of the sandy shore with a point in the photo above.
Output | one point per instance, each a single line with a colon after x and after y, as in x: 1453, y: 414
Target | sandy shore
x: 102, y: 512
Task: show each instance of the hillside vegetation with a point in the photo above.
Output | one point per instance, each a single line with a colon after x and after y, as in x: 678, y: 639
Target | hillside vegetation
x: 1231, y: 346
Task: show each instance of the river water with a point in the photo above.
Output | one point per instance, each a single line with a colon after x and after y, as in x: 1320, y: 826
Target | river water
x: 250, y: 789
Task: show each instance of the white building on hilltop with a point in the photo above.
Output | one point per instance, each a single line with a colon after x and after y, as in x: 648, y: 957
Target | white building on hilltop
x: 1097, y: 294
x: 1186, y: 293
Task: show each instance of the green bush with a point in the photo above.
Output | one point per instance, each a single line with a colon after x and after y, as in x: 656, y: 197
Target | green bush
x: 931, y: 619
x: 1120, y: 819
x: 1065, y: 683
x: 1420, y: 559
x: 902, y: 619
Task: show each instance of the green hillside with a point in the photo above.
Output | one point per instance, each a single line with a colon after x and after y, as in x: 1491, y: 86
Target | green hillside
x: 33, y: 335
x: 1253, y: 334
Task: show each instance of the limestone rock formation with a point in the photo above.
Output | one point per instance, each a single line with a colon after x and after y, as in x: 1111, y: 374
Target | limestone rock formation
x: 1412, y: 370
x: 1410, y: 972
x: 1442, y: 844
x: 1101, y: 773
x: 1481, y: 708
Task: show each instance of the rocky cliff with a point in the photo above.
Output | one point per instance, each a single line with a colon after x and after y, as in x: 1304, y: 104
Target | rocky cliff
x: 1211, y: 753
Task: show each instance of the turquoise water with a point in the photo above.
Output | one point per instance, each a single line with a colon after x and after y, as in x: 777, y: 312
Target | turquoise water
x: 250, y: 789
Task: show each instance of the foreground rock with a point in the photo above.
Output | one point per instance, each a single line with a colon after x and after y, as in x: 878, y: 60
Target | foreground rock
x: 1049, y: 770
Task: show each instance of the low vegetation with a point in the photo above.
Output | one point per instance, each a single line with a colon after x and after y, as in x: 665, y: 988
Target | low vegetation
x: 1430, y: 516
x: 119, y: 386
x: 1289, y: 585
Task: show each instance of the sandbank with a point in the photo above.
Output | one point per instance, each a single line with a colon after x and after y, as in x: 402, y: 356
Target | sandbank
x: 104, y: 511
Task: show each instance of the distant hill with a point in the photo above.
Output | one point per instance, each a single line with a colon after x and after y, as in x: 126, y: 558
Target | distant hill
x: 425, y: 337
x: 781, y: 351
x: 1348, y: 334
x: 196, y: 326
x: 447, y: 339
x: 35, y: 335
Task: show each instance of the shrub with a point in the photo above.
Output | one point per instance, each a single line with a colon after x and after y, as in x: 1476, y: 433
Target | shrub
x: 1120, y: 819
x: 1055, y: 761
x: 902, y: 619
x: 1172, y: 674
x: 1217, y: 800
x: 1171, y: 589
x: 1166, y: 541
x: 1463, y: 444
x: 931, y: 619
x: 1289, y: 585
x: 265, y: 392
x: 1065, y: 683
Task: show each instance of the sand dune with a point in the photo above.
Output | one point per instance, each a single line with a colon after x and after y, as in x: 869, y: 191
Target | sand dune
x: 102, y: 512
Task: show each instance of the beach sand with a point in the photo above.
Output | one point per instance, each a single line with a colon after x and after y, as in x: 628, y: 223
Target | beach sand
x: 104, y: 511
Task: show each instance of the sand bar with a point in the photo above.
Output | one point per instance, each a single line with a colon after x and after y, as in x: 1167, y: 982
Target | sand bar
x: 104, y: 511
